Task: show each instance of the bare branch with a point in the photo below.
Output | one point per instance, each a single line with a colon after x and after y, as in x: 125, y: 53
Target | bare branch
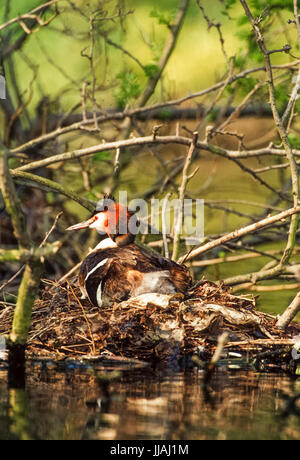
x: 142, y: 110
x: 30, y: 15
x: 169, y: 47
x: 48, y: 184
x: 217, y: 25
x: 181, y: 192
x: 147, y: 140
x: 163, y: 217
x: 12, y: 202
x: 239, y: 233
x: 282, y: 132
x: 290, y: 313
x: 296, y: 88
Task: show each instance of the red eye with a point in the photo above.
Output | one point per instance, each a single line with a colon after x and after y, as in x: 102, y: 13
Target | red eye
x: 95, y: 217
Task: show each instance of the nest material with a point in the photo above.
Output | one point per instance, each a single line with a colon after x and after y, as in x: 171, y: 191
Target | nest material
x: 150, y: 327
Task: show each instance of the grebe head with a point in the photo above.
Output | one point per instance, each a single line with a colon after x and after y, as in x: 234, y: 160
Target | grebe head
x: 113, y: 219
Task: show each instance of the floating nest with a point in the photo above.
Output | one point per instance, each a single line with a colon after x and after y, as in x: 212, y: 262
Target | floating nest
x: 156, y: 328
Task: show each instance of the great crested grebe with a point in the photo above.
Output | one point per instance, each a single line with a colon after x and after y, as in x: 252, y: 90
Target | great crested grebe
x: 117, y: 268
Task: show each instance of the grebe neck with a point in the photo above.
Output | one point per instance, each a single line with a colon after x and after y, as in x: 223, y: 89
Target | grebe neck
x: 107, y: 243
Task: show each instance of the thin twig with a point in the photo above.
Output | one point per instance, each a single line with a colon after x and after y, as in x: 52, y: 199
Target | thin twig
x: 51, y: 229
x: 31, y: 14
x: 295, y: 92
x: 240, y: 232
x: 48, y: 184
x: 222, y: 340
x: 167, y: 52
x: 181, y: 192
x: 143, y: 110
x: 85, y: 317
x: 67, y: 275
x: 12, y: 278
x: 6, y: 283
x: 237, y: 258
x: 261, y: 288
x: 217, y: 25
x: 164, y: 231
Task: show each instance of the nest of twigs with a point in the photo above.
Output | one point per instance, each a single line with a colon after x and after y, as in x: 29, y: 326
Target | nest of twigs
x: 152, y: 327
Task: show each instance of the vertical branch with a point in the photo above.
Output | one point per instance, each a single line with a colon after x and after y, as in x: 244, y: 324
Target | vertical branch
x: 117, y: 160
x: 281, y: 130
x: 90, y: 57
x: 92, y: 67
x: 115, y: 175
x: 169, y: 47
x: 33, y: 267
x: 294, y: 94
x: 26, y: 295
x: 12, y: 202
x: 163, y: 225
x: 217, y: 25
x: 290, y: 313
x: 83, y: 101
x: 181, y: 192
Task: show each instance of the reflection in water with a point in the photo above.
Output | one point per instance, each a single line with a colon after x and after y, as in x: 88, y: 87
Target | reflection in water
x: 80, y: 403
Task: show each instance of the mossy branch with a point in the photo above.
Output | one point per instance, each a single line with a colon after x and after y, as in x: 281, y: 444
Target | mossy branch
x: 26, y: 295
x: 26, y: 255
x: 33, y: 256
x: 53, y: 186
x: 12, y: 202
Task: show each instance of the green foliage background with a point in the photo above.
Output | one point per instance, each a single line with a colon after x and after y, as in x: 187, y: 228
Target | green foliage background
x: 52, y: 66
x: 55, y: 52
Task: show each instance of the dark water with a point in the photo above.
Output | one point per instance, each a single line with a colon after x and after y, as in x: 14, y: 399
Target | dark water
x: 139, y: 404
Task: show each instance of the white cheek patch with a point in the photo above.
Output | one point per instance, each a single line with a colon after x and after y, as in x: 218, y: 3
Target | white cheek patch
x: 100, y: 223
x: 95, y: 268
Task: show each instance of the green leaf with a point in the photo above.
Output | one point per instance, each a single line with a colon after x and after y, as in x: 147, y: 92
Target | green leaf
x: 128, y: 89
x: 101, y: 156
x: 294, y: 141
x: 281, y: 95
x: 163, y: 18
x: 242, y: 20
x: 247, y: 84
x: 239, y: 61
x: 151, y: 70
x: 212, y: 115
x: 91, y: 196
x: 165, y: 113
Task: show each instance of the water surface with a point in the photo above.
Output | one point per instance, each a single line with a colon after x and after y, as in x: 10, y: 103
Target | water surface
x: 79, y: 402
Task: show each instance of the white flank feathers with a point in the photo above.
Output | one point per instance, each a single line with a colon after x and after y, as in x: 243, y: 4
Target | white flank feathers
x: 95, y: 268
x: 99, y: 295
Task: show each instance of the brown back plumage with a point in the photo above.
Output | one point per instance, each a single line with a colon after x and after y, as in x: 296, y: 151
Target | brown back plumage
x: 130, y: 271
